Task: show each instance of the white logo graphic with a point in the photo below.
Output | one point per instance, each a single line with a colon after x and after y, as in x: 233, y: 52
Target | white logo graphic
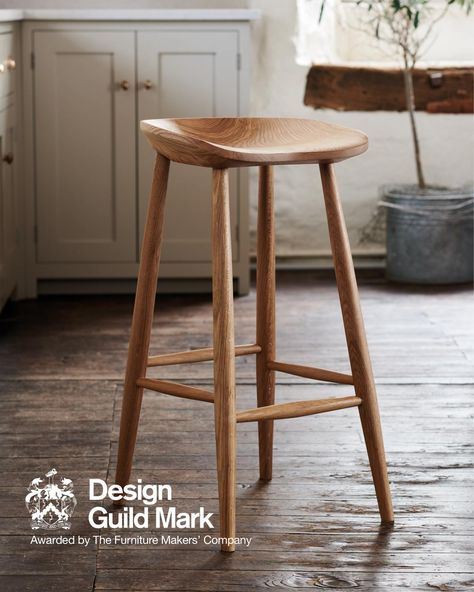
x: 50, y: 505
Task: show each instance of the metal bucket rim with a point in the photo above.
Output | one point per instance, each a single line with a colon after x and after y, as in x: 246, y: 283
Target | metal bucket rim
x: 408, y: 193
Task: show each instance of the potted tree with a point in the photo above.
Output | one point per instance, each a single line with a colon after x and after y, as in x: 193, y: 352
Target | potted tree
x: 429, y: 228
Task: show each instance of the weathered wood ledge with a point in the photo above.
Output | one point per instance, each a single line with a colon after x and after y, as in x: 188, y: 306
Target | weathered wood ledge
x: 361, y: 88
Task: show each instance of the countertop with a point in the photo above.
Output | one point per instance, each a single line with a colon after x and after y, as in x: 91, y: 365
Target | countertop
x: 205, y: 14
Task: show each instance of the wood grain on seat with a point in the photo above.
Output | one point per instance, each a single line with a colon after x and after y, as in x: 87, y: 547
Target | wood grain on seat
x: 245, y: 141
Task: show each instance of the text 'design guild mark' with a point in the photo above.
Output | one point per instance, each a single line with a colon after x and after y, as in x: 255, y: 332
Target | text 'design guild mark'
x: 51, y: 505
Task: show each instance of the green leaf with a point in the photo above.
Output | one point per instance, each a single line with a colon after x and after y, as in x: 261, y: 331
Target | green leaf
x: 396, y: 5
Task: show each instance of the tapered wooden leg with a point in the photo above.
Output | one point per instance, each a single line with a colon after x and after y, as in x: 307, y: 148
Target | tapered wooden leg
x: 142, y: 320
x: 356, y: 341
x: 224, y: 360
x: 265, y: 315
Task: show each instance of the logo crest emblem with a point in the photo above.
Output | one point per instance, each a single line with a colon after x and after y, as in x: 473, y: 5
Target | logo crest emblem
x: 50, y: 505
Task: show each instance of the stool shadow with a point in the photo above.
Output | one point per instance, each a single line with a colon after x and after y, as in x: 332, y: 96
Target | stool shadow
x: 379, y: 545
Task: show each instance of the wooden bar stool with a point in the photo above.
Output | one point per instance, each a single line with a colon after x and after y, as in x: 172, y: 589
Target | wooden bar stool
x: 223, y: 143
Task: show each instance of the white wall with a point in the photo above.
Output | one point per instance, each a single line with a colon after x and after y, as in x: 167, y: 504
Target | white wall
x: 278, y: 89
x: 447, y: 144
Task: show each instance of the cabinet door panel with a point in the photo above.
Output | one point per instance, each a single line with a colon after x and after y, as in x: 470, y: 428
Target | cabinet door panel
x: 9, y: 259
x: 7, y: 51
x: 192, y: 74
x: 85, y: 145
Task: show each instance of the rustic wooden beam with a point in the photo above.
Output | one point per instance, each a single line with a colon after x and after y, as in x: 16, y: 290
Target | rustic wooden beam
x: 353, y: 88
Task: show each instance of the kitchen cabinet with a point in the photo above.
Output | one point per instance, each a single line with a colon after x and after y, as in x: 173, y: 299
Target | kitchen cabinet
x: 9, y: 235
x: 8, y: 60
x: 10, y: 267
x: 84, y: 146
x: 88, y: 167
x: 168, y: 62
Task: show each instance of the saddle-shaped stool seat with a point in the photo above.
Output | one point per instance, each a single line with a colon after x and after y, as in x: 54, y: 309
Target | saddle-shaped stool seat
x: 247, y: 141
x: 223, y: 143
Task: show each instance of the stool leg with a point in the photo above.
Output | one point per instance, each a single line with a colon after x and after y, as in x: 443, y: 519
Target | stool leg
x: 142, y: 320
x: 356, y: 341
x: 265, y: 315
x: 224, y: 358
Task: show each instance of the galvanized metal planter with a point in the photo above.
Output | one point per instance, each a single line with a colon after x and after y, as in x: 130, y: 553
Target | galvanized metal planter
x: 429, y: 234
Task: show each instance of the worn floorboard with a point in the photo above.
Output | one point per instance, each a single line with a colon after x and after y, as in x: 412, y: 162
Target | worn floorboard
x: 315, y: 526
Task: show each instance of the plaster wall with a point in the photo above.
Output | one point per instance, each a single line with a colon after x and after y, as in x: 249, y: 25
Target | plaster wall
x: 447, y: 145
x: 277, y: 90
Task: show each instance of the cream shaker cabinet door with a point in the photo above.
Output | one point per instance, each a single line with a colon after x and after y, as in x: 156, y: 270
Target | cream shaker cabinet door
x: 9, y: 259
x: 186, y: 73
x: 8, y: 63
x: 85, y: 133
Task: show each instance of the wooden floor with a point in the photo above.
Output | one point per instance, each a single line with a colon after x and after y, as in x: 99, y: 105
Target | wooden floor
x: 316, y: 525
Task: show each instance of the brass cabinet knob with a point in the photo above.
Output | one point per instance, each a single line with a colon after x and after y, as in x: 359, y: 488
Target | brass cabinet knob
x: 10, y: 64
x: 125, y: 85
x: 148, y: 84
x: 8, y: 158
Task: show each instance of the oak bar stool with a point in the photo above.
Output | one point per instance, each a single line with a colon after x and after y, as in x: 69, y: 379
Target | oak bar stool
x: 223, y: 143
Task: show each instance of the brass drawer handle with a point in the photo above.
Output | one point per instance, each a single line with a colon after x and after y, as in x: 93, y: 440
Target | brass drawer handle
x: 148, y: 84
x: 125, y: 85
x: 8, y: 158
